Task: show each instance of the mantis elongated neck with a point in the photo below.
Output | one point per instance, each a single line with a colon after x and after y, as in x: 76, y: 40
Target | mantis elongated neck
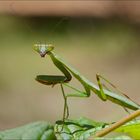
x: 61, y: 67
x: 68, y: 70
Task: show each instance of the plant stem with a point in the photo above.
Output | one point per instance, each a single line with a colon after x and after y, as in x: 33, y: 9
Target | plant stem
x: 118, y: 124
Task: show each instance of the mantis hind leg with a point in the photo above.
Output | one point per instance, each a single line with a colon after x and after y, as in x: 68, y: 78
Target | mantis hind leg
x: 101, y: 94
x: 99, y: 77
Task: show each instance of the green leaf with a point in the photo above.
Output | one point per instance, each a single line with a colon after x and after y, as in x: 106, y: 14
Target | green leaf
x: 122, y: 137
x: 132, y: 129
x: 36, y: 131
x: 80, y: 129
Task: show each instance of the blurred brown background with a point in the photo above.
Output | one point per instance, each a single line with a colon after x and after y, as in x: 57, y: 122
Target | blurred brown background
x: 103, y: 8
x: 93, y: 36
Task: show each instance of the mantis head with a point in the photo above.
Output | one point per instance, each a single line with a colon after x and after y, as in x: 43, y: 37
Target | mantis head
x: 43, y: 49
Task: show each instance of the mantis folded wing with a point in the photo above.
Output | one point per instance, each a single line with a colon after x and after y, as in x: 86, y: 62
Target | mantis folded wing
x: 69, y: 71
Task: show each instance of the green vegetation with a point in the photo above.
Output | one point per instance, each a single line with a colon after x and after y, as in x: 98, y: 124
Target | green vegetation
x: 81, y: 128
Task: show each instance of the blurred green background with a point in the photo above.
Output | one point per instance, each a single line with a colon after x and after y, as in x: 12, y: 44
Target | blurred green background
x: 91, y: 45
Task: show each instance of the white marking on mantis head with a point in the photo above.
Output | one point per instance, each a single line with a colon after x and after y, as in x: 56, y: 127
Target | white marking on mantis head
x: 43, y: 49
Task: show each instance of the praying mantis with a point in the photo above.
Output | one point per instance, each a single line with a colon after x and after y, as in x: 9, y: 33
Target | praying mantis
x: 68, y: 71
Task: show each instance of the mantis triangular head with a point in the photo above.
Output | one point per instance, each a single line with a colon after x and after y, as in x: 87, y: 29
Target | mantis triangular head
x: 43, y: 49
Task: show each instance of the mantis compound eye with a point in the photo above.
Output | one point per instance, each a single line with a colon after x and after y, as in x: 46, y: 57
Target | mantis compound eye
x: 43, y: 49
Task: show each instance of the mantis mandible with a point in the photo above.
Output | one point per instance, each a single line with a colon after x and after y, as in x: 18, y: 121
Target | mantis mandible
x: 69, y: 71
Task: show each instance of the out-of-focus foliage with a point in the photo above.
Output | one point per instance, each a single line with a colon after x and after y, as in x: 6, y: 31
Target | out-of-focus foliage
x: 84, y: 128
x: 122, y: 137
x: 35, y: 131
x: 132, y: 129
x: 80, y: 129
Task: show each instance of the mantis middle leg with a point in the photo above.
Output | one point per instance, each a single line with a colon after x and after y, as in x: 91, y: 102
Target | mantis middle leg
x: 66, y: 109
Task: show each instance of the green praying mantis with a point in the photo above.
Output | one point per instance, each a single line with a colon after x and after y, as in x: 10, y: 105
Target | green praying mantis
x: 68, y: 71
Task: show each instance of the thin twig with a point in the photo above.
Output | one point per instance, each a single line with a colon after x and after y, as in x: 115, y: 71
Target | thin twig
x: 117, y: 124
